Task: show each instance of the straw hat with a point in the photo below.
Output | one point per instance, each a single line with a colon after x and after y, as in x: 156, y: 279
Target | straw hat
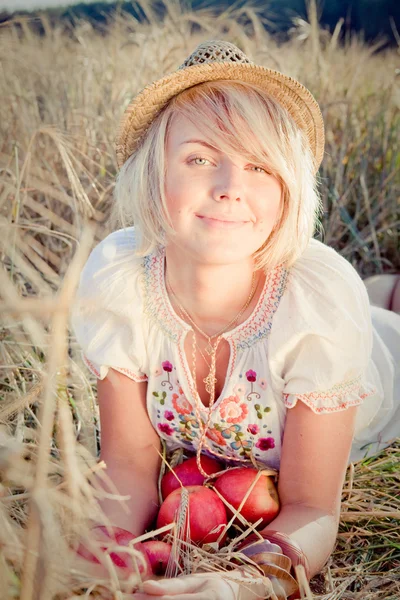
x: 212, y: 61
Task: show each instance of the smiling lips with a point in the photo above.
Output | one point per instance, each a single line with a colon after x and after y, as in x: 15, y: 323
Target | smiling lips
x: 221, y: 223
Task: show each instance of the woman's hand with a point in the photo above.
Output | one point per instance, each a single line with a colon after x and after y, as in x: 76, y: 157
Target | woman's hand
x: 205, y: 586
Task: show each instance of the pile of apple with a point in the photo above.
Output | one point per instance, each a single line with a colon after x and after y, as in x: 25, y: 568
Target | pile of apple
x: 207, y: 515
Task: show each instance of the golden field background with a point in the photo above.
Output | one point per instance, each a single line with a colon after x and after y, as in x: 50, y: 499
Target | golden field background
x: 62, y: 95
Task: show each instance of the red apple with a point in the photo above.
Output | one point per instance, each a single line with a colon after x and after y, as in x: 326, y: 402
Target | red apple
x: 189, y: 474
x: 206, y: 512
x: 158, y: 553
x: 121, y: 537
x: 263, y: 501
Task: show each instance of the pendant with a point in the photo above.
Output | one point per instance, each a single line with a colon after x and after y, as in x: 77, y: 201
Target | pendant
x: 209, y: 348
x: 210, y: 382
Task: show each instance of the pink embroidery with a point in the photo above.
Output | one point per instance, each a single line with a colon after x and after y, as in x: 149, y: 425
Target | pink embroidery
x: 127, y: 372
x: 263, y: 384
x: 216, y: 436
x: 233, y: 410
x: 181, y: 404
x: 265, y: 444
x: 260, y: 323
x: 158, y: 306
x: 91, y: 366
x: 337, y: 393
x: 253, y: 428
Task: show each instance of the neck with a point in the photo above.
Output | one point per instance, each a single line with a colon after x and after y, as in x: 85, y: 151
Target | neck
x: 212, y: 294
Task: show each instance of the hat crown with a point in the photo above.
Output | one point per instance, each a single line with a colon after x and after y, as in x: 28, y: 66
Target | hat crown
x: 215, y: 51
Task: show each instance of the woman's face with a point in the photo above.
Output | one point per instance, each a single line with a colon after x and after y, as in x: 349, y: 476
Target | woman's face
x: 222, y: 207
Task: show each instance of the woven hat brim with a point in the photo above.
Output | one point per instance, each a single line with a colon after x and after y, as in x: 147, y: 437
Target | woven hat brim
x: 291, y: 94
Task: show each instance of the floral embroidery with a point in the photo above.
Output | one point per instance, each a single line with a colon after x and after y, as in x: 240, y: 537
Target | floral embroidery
x: 265, y: 443
x: 165, y: 428
x: 244, y: 446
x: 169, y: 415
x: 251, y: 376
x: 239, y: 389
x: 161, y: 397
x: 253, y: 429
x: 216, y: 436
x: 181, y: 403
x: 263, y: 384
x: 233, y: 410
x: 188, y: 427
x: 167, y: 367
x: 229, y: 430
x: 260, y: 410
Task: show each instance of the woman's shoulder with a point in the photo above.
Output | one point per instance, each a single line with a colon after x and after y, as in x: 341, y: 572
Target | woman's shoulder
x: 325, y: 280
x: 322, y: 261
x: 324, y: 296
x: 107, y: 314
x: 112, y: 264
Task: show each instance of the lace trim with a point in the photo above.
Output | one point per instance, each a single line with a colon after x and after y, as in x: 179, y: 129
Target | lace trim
x: 256, y: 327
x: 127, y: 372
x: 338, y: 397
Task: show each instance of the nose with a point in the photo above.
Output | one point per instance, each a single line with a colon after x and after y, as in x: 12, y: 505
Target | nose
x: 228, y: 184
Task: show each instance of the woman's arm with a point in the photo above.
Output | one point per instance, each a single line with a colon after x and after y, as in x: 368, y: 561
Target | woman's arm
x: 314, y: 459
x: 129, y: 445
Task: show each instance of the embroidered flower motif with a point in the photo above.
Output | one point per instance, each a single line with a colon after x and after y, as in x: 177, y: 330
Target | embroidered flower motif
x: 181, y: 404
x: 263, y: 384
x: 167, y: 366
x: 244, y: 446
x: 253, y: 428
x: 227, y: 432
x: 265, y: 443
x: 169, y: 415
x: 251, y: 375
x: 165, y: 428
x: 216, y: 436
x: 233, y: 410
x: 157, y: 372
x: 239, y: 389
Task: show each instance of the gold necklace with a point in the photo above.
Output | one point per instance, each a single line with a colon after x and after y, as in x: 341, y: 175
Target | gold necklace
x: 209, y: 347
x: 182, y: 316
x: 210, y: 380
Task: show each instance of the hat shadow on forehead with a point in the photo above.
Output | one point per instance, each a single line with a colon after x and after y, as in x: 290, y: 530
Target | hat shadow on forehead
x: 213, y: 61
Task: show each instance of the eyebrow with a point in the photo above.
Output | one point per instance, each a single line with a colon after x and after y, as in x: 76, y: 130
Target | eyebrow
x: 201, y: 142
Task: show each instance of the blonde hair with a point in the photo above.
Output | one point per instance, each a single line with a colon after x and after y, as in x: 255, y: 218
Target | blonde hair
x: 235, y: 117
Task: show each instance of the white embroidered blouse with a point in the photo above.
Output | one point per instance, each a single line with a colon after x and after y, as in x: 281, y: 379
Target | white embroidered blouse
x: 309, y: 338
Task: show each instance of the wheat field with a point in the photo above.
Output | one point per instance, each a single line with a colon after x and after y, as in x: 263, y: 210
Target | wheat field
x: 62, y: 95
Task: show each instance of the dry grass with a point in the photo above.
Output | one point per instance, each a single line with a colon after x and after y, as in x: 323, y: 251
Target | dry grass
x: 62, y: 95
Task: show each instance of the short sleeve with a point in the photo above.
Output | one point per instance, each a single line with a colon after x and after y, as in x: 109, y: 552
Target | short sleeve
x: 107, y: 312
x: 321, y: 337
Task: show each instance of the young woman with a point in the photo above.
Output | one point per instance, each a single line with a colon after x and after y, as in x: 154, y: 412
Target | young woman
x: 218, y: 324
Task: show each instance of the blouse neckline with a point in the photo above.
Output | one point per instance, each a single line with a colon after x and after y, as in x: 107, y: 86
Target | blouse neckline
x: 257, y: 325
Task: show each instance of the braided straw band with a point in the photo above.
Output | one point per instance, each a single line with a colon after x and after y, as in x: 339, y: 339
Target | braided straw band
x: 288, y: 546
x: 213, y: 61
